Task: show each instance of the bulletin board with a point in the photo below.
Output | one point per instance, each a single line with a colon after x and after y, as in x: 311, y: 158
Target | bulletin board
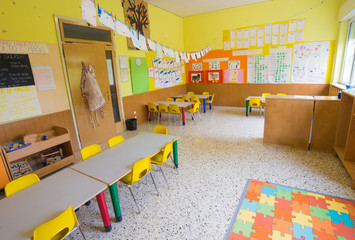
x: 139, y: 75
x: 40, y: 55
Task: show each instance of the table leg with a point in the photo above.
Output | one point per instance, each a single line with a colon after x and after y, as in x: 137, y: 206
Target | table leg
x: 175, y: 152
x: 246, y: 107
x: 183, y: 116
x: 204, y: 105
x: 210, y: 103
x: 115, y: 201
x: 103, y: 210
x: 148, y: 112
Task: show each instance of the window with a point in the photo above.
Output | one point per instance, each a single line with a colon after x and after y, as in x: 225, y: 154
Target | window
x: 348, y: 75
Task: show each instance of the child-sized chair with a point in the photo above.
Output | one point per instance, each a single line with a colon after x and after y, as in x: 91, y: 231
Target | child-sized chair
x: 210, y: 101
x: 170, y: 99
x: 175, y: 110
x: 179, y: 100
x: 195, y: 110
x: 152, y: 108
x: 59, y: 227
x: 205, y: 93
x: 190, y: 93
x: 163, y: 109
x: 161, y: 158
x: 160, y: 130
x: 264, y: 95
x: 90, y: 151
x: 254, y: 103
x: 186, y: 98
x: 115, y: 140
x: 20, y: 183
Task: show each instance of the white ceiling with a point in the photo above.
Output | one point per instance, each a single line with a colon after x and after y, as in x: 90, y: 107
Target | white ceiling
x: 185, y: 8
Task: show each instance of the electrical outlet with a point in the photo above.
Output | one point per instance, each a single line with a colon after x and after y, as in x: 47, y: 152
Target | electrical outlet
x: 134, y: 112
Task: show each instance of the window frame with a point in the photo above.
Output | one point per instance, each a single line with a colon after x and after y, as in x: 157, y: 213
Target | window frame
x: 352, y: 73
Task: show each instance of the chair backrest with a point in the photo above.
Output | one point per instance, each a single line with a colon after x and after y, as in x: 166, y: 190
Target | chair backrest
x: 196, y: 107
x: 90, y: 151
x: 140, y: 169
x: 190, y: 93
x: 20, y: 183
x: 58, y: 227
x: 179, y: 100
x: 212, y: 98
x: 170, y: 99
x: 152, y: 107
x: 281, y: 94
x: 115, y: 140
x: 265, y: 94
x: 174, y: 108
x: 186, y: 98
x: 168, y: 149
x: 254, y: 102
x: 205, y: 93
x: 195, y: 99
x: 161, y: 130
x: 163, y: 108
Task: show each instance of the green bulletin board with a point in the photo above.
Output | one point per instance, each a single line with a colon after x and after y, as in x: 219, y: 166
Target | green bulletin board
x: 139, y: 75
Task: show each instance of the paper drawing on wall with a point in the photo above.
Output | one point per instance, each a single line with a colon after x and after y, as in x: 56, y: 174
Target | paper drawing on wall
x: 234, y: 64
x: 196, y: 77
x: 91, y: 93
x: 197, y: 67
x: 214, y: 65
x: 136, y: 17
x: 213, y: 76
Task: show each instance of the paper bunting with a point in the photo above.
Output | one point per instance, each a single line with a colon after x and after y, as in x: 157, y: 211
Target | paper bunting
x: 193, y: 56
x: 159, y: 52
x: 142, y: 43
x: 198, y: 55
x: 177, y: 57
x: 88, y: 11
x: 165, y: 50
x: 105, y: 18
x: 122, y: 29
x: 171, y: 53
x: 135, y: 40
x: 151, y: 44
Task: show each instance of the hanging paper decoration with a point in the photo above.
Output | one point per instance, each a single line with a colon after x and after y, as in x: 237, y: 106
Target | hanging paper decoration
x: 142, y: 43
x: 151, y: 44
x: 159, y: 52
x: 88, y: 11
x: 134, y: 37
x: 198, y: 55
x: 105, y: 18
x: 136, y: 17
x: 177, y: 57
x: 165, y: 50
x: 122, y: 29
x: 171, y: 53
x: 193, y: 56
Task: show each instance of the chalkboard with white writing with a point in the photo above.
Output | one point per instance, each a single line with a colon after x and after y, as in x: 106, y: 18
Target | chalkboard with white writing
x: 15, y: 71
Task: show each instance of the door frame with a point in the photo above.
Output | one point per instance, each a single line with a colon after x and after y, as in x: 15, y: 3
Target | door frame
x: 112, y: 47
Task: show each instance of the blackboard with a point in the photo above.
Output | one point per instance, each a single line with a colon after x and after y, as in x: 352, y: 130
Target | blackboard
x: 15, y: 71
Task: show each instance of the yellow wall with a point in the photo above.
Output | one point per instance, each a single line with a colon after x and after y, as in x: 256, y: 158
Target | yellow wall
x: 33, y: 20
x: 207, y: 29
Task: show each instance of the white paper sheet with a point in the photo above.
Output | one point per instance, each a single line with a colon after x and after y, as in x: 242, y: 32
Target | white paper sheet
x: 260, y: 42
x: 260, y: 32
x: 253, y: 32
x: 124, y: 75
x: 123, y: 61
x: 300, y: 24
x: 291, y: 37
x: 246, y: 43
x: 275, y: 29
x: 177, y: 56
x: 159, y: 51
x: 233, y: 33
x: 253, y: 41
x: 279, y: 69
x: 43, y: 76
x: 226, y: 46
x: 233, y: 43
x: 283, y: 39
x: 275, y: 39
x: 193, y: 56
x: 143, y: 43
x: 122, y: 29
x: 268, y: 39
x: 151, y: 44
x: 246, y: 33
x: 134, y: 37
x: 283, y: 28
x: 240, y: 43
x: 88, y: 11
x: 292, y: 26
x: 239, y: 33
x: 299, y: 36
x: 105, y: 18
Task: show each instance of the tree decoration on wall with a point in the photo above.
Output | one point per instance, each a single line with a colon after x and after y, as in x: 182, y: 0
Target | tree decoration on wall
x: 136, y: 17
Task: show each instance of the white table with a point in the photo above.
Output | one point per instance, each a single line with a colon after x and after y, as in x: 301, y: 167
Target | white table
x: 111, y: 165
x: 182, y: 105
x: 23, y: 211
x: 200, y: 96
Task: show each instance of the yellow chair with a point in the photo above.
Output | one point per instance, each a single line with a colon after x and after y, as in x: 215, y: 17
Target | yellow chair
x: 194, y: 110
x: 139, y: 170
x: 170, y: 99
x: 160, y: 130
x: 20, y: 183
x: 205, y: 93
x: 254, y: 103
x: 210, y: 101
x: 264, y: 95
x: 186, y: 98
x: 90, y: 151
x: 190, y: 93
x: 152, y: 108
x: 174, y: 109
x: 59, y: 227
x: 195, y: 99
x: 179, y: 100
x: 163, y: 109
x: 161, y: 158
x: 115, y: 140
x: 281, y: 94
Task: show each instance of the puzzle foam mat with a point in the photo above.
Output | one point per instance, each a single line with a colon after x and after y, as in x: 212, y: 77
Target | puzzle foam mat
x: 271, y: 211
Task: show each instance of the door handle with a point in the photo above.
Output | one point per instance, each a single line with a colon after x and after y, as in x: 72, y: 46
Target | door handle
x: 108, y: 96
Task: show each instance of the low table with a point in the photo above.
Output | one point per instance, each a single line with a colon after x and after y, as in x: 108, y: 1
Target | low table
x: 247, y: 103
x: 182, y: 105
x: 200, y: 96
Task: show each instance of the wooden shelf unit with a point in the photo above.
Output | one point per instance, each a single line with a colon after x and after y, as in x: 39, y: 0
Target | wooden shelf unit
x: 57, y: 137
x: 345, y: 133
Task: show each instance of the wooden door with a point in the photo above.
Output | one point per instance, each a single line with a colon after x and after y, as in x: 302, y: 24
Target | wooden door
x: 74, y: 54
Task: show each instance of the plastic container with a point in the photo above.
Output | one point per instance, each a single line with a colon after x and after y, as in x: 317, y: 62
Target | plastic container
x: 131, y: 124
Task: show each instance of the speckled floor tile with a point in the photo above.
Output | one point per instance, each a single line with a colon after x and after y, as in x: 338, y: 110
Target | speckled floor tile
x: 216, y: 157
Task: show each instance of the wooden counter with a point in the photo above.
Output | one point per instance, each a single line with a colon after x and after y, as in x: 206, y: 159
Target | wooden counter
x: 288, y: 120
x: 326, y: 110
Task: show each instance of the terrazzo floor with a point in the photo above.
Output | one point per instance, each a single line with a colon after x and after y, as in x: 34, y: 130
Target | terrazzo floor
x: 216, y: 157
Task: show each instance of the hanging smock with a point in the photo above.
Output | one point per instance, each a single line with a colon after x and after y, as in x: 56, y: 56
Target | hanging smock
x: 91, y: 93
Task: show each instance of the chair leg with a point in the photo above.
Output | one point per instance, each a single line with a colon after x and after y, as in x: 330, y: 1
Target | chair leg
x: 148, y: 115
x: 164, y: 177
x: 134, y: 199
x: 82, y: 233
x: 154, y: 183
x: 199, y: 115
x: 260, y: 111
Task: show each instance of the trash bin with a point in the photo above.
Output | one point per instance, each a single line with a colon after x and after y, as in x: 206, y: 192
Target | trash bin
x: 131, y: 124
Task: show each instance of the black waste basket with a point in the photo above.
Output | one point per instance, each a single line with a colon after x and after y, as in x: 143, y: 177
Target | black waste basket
x: 131, y: 124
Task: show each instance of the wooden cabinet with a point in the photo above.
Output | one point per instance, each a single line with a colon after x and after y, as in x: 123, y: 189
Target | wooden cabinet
x: 344, y: 144
x: 57, y: 137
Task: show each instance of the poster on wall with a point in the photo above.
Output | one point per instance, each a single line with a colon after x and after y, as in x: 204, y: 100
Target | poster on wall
x: 234, y: 64
x: 233, y: 76
x: 214, y: 76
x: 197, y: 67
x: 196, y: 77
x: 214, y: 65
x: 310, y: 61
x: 257, y: 69
x: 279, y: 70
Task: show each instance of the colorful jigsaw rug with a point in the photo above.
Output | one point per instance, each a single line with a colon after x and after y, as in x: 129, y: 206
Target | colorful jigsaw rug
x: 271, y: 211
